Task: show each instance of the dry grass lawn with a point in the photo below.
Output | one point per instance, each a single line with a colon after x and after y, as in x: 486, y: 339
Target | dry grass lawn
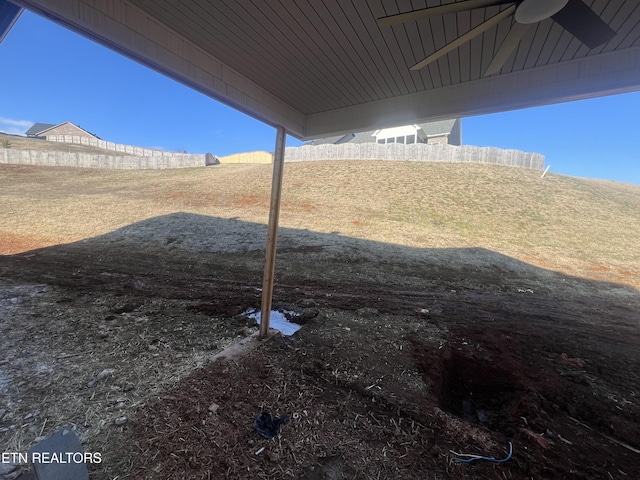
x: 411, y: 296
x: 588, y: 228
x: 18, y: 142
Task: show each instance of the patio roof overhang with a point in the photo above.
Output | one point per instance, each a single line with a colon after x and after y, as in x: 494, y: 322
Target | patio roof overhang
x: 327, y: 67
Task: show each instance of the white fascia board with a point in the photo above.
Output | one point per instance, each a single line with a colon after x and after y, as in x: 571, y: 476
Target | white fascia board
x: 122, y: 27
x: 400, y: 131
x: 443, y: 134
x: 594, y: 76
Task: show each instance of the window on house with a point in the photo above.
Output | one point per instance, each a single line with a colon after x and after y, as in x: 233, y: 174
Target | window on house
x: 399, y: 139
x: 391, y: 140
x: 411, y: 139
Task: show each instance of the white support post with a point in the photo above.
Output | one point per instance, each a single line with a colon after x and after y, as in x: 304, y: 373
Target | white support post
x: 272, y: 234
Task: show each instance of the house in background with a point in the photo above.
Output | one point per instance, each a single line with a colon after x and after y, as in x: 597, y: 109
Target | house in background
x: 443, y: 132
x: 46, y: 130
x: 34, y: 131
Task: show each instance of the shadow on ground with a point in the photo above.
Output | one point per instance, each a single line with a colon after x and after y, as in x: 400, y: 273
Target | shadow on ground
x: 209, y: 246
x: 405, y: 355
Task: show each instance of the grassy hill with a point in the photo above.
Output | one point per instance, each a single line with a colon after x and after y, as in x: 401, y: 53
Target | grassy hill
x: 18, y: 142
x: 589, y: 228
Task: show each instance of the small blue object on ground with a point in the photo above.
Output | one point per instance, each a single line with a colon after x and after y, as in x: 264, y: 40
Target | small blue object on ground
x: 268, y: 425
x: 473, y: 458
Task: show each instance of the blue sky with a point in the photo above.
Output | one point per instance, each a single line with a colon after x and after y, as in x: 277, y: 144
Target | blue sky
x: 52, y: 75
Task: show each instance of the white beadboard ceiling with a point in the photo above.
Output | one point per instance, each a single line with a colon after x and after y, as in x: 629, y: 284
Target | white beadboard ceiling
x: 324, y: 67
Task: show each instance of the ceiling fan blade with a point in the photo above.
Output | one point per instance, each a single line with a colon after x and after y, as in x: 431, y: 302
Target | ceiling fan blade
x: 440, y: 10
x: 584, y: 24
x: 511, y: 42
x: 474, y: 32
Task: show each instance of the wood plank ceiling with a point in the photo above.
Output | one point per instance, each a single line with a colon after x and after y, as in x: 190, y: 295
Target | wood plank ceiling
x: 323, y: 67
x: 329, y: 54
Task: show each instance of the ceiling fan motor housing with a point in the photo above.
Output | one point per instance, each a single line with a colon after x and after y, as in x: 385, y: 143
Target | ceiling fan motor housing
x: 532, y: 11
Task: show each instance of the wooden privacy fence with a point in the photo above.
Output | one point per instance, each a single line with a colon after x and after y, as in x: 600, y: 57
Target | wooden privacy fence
x: 419, y: 152
x: 248, y: 157
x: 365, y: 151
x: 116, y: 147
x: 87, y: 160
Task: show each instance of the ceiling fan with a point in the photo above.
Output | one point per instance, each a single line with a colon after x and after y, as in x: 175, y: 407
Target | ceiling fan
x: 573, y: 15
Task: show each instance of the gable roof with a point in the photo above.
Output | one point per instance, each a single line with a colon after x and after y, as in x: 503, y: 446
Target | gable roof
x: 443, y: 127
x: 42, y: 128
x: 69, y: 123
x: 38, y: 128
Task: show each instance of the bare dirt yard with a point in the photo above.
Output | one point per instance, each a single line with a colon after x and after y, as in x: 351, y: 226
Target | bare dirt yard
x: 446, y: 311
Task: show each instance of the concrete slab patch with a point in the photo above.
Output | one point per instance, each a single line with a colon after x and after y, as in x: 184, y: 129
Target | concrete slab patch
x: 59, y: 457
x: 27, y: 475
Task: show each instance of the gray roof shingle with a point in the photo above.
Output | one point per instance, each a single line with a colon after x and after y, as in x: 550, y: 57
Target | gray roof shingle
x: 39, y: 127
